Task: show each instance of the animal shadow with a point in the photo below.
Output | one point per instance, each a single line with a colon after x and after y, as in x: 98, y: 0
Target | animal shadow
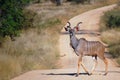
x: 68, y: 74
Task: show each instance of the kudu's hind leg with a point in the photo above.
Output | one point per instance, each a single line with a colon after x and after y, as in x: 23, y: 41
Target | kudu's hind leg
x: 93, y: 68
x: 106, y: 64
x: 84, y: 68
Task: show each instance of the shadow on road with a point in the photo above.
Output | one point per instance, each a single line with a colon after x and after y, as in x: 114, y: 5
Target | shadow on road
x: 73, y: 74
x: 69, y: 74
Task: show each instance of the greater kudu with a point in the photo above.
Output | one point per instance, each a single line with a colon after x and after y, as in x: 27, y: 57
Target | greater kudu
x: 82, y: 47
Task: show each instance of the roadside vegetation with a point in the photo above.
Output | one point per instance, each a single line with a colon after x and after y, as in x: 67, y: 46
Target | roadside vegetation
x: 110, y: 27
x: 33, y: 42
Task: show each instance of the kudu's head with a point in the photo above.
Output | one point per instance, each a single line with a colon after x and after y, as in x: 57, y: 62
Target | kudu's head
x: 72, y: 30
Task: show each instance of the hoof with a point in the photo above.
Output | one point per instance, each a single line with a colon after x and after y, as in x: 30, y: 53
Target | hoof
x: 89, y: 74
x: 76, y: 75
x: 105, y: 74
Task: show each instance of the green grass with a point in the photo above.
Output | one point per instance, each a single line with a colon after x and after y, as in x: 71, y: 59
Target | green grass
x: 48, y: 23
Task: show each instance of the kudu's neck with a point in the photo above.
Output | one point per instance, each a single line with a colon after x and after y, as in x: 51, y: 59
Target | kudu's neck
x: 73, y: 40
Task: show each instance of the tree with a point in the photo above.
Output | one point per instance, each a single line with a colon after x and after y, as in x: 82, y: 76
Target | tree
x: 12, y: 17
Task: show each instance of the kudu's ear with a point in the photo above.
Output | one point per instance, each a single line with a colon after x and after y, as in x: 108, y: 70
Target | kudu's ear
x: 77, y: 26
x: 65, y: 29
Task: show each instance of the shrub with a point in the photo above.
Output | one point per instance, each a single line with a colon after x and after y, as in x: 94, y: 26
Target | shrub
x: 28, y: 19
x: 112, y: 18
x: 12, y: 17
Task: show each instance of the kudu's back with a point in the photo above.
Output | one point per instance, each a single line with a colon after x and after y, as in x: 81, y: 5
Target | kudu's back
x: 90, y: 48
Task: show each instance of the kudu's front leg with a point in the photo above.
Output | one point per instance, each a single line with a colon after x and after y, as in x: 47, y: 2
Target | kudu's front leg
x: 79, y: 63
x: 106, y: 66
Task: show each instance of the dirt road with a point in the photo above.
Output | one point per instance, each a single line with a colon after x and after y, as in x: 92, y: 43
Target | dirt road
x: 90, y: 21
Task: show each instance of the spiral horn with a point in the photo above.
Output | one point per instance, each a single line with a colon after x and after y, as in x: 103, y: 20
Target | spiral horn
x: 69, y: 24
x: 79, y: 23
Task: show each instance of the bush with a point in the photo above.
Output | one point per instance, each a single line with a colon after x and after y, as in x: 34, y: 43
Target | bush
x: 112, y: 18
x: 12, y: 17
x: 28, y: 19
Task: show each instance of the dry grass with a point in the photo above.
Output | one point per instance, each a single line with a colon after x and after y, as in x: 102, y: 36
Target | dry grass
x: 118, y: 61
x: 111, y: 37
x: 37, y: 48
x: 111, y: 1
x: 33, y: 50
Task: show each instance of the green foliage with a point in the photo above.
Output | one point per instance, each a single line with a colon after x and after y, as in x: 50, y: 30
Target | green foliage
x: 49, y: 23
x: 12, y: 17
x: 112, y: 18
x: 28, y: 19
